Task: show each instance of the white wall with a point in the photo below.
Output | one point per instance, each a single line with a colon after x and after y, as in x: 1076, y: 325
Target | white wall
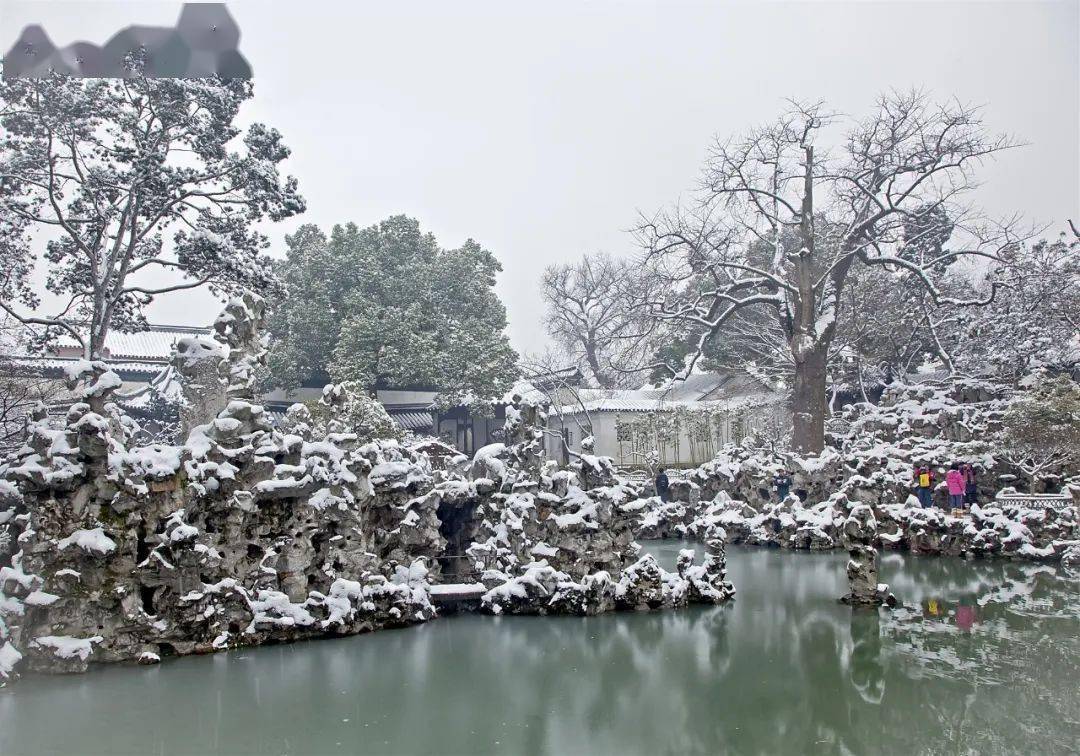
x: 607, y: 444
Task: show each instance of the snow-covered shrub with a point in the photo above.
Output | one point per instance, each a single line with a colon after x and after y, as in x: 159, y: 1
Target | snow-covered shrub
x: 348, y: 408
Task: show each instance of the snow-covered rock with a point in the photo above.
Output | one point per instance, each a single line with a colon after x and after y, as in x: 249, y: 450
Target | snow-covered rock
x: 859, y: 536
x: 241, y: 535
x: 562, y: 541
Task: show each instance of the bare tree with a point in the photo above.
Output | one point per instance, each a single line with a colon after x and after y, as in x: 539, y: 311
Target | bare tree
x: 590, y: 314
x: 819, y: 216
x: 550, y: 376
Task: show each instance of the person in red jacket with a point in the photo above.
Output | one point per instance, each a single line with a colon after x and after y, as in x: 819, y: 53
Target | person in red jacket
x: 971, y: 485
x: 954, y: 479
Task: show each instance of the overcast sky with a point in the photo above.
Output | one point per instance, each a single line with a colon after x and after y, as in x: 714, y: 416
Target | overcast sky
x: 541, y: 129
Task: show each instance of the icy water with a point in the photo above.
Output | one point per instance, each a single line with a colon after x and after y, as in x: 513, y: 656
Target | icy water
x: 986, y: 659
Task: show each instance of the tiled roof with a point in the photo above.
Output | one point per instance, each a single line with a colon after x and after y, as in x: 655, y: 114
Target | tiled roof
x: 570, y: 376
x: 648, y: 400
x: 615, y: 400
x: 413, y: 420
x: 409, y: 419
x: 123, y: 367
x: 416, y: 398
x: 720, y: 384
x: 156, y: 343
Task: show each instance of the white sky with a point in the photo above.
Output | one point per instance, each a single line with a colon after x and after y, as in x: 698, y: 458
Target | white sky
x: 541, y: 129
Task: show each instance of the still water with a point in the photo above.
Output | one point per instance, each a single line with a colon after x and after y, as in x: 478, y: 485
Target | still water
x: 984, y: 658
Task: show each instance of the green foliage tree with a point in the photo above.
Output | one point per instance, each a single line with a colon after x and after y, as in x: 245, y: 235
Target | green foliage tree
x: 304, y: 328
x: 387, y: 306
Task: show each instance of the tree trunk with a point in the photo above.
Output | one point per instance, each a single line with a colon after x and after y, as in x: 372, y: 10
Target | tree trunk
x: 593, y: 359
x: 809, y: 346
x: 95, y: 345
x: 808, y: 401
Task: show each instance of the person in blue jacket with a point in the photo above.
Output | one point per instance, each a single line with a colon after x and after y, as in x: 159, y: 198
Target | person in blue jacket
x: 662, y: 485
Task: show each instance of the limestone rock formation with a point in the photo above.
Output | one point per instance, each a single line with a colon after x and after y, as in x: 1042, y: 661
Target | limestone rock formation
x: 1036, y: 532
x: 240, y: 327
x: 113, y: 550
x: 859, y: 534
x: 241, y: 536
x: 642, y: 585
x: 524, y: 436
x: 562, y: 541
x: 871, y: 463
x: 217, y: 370
x: 244, y: 534
x: 198, y: 361
x: 707, y: 582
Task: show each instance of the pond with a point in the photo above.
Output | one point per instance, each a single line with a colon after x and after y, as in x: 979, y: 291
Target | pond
x: 985, y: 657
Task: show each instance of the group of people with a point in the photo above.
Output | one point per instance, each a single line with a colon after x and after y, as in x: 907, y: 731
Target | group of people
x: 961, y: 481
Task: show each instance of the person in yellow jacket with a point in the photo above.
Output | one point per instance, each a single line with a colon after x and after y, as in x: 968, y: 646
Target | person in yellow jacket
x: 924, y: 485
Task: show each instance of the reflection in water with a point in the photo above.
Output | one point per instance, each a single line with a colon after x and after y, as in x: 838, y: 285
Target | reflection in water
x: 867, y: 672
x: 783, y: 669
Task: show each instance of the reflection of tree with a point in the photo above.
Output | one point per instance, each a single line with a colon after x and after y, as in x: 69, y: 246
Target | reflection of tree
x: 866, y: 672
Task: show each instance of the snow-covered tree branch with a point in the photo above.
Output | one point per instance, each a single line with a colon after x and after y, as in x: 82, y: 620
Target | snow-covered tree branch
x: 591, y: 314
x: 105, y: 180
x: 786, y: 214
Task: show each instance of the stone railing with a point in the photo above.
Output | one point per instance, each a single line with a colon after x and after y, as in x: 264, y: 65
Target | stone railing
x: 1033, y: 500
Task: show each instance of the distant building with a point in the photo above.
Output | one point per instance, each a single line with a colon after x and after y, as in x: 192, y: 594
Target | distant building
x: 683, y: 424
x: 468, y: 431
x: 409, y: 408
x: 140, y: 358
x: 137, y: 357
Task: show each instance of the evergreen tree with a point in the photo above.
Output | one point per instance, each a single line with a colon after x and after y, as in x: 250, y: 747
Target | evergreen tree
x: 387, y: 306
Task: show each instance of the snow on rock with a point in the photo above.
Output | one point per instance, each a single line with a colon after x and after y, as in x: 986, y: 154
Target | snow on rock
x: 551, y: 541
x: 240, y: 328
x: 872, y: 465
x: 9, y: 658
x: 859, y: 535
x: 93, y: 540
x: 65, y: 652
x: 706, y: 583
x: 243, y: 534
x: 247, y: 534
x: 91, y: 379
x: 1035, y: 533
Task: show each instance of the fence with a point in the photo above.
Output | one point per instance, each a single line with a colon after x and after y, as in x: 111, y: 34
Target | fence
x: 636, y: 475
x: 1042, y: 501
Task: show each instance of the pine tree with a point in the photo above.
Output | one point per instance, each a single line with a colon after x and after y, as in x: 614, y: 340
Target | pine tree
x: 128, y: 177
